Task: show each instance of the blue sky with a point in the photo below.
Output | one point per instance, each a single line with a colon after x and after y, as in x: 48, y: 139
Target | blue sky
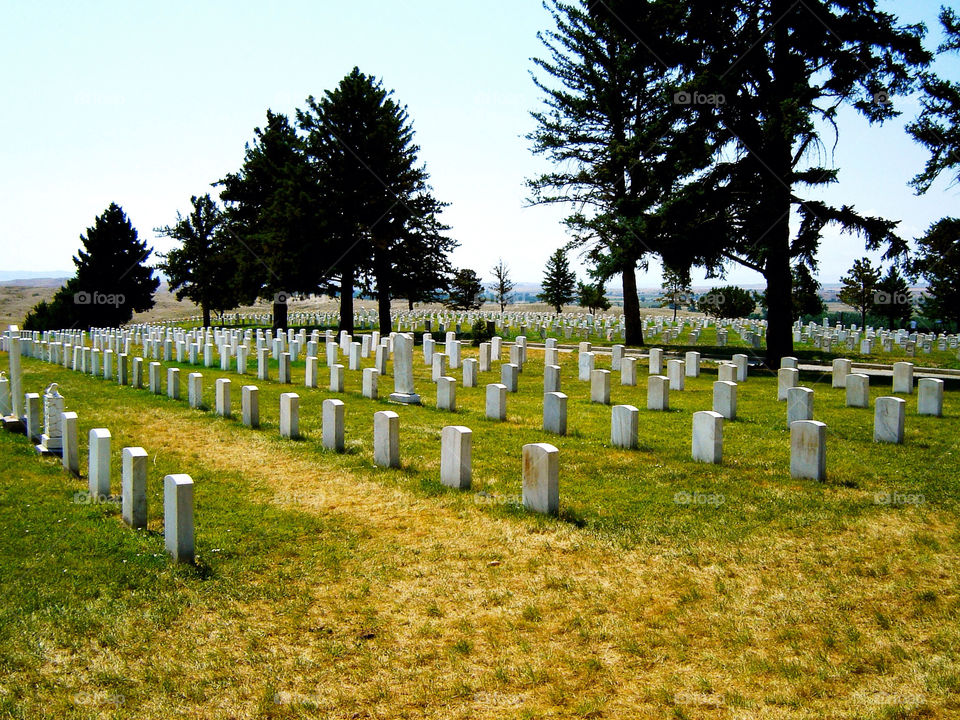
x: 145, y: 104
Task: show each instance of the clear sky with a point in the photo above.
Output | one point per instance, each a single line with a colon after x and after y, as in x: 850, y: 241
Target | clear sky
x: 146, y: 104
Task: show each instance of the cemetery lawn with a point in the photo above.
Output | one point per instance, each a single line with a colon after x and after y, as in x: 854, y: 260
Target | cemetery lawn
x: 326, y: 587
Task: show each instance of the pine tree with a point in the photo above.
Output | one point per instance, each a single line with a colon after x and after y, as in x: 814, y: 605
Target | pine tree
x: 860, y: 287
x: 675, y: 288
x: 938, y: 261
x: 807, y: 301
x: 592, y: 296
x: 112, y: 281
x: 502, y: 284
x: 559, y: 281
x: 383, y: 226
x: 892, y: 298
x: 204, y: 268
x: 466, y: 291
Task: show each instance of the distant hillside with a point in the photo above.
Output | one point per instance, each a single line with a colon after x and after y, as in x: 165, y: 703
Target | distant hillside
x: 36, y: 282
x: 17, y: 275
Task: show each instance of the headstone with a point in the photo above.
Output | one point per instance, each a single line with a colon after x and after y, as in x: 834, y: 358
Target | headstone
x: 439, y: 367
x: 496, y: 406
x: 624, y: 426
x: 786, y: 379
x: 173, y: 383
x: 263, y: 364
x: 725, y: 399
x: 658, y: 392
x: 223, y: 397
x: 555, y: 413
x: 799, y: 405
x: 888, y: 420
x: 903, y: 378
x: 178, y: 517
x: 841, y: 368
x: 52, y: 439
x: 808, y: 449
x: 616, y: 357
x: 930, y: 397
x: 195, y: 390
x: 123, y: 377
x: 33, y: 416
x: 447, y: 394
x: 312, y: 372
x: 707, y: 437
x: 71, y: 446
x: 16, y: 376
x: 510, y: 376
x: 656, y: 361
x: 585, y: 365
x: 370, y: 383
x: 283, y: 371
x: 290, y: 415
x: 727, y: 372
x: 551, y: 378
x: 386, y: 439
x: 469, y: 372
x: 858, y: 390
x: 98, y: 464
x: 628, y: 371
x: 600, y: 387
x: 484, y: 358
x: 429, y: 345
x: 403, y: 371
x: 541, y: 471
x: 789, y: 362
x: 676, y: 373
x: 337, y: 372
x: 456, y: 444
x: 740, y: 360
x: 333, y: 424
x: 551, y: 356
x: 354, y: 358
x: 692, y: 364
x: 137, y: 381
x: 250, y: 405
x: 133, y: 487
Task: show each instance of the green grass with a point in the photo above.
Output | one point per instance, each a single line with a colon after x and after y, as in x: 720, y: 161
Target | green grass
x: 335, y: 587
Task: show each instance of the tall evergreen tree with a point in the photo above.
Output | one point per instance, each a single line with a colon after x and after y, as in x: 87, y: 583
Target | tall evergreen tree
x: 937, y: 261
x: 502, y: 285
x: 112, y: 281
x: 275, y: 216
x: 466, y: 291
x: 619, y: 150
x: 382, y: 216
x: 204, y: 268
x: 806, y: 293
x: 592, y: 296
x: 784, y: 69
x: 938, y: 127
x: 559, y: 281
x: 892, y: 298
x: 675, y: 289
x: 859, y: 288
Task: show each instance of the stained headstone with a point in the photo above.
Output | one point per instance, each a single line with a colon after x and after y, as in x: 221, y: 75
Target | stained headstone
x: 808, y: 449
x: 624, y: 426
x: 930, y: 397
x: 334, y: 412
x: 888, y: 420
x: 786, y: 379
x: 858, y: 390
x: 707, y: 445
x: 799, y: 404
x: 386, y: 439
x: 725, y: 399
x: 456, y: 445
x: 555, y: 413
x: 250, y: 405
x: 841, y: 368
x: 370, y: 383
x: 178, y: 517
x: 133, y: 487
x: 541, y: 471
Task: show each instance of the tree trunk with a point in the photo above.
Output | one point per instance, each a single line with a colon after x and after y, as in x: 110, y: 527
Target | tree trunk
x: 346, y: 299
x: 206, y: 315
x: 279, y: 316
x: 633, y: 327
x: 409, y: 304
